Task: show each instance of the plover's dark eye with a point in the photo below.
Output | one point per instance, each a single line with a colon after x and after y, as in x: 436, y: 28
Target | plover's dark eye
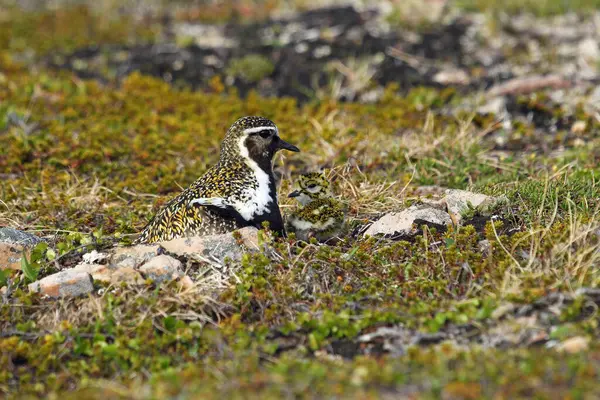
x: 265, y: 134
x: 312, y: 186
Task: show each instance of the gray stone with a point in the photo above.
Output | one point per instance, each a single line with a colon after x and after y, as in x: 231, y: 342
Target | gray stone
x: 402, y: 223
x: 112, y: 275
x: 452, y: 76
x: 573, y: 345
x: 495, y: 105
x: 15, y: 236
x: 133, y: 257
x: 13, y: 243
x: 589, y: 50
x: 126, y: 275
x: 215, y: 248
x: 162, y: 268
x: 485, y: 247
x: 459, y: 201
x: 94, y: 257
x: 69, y: 283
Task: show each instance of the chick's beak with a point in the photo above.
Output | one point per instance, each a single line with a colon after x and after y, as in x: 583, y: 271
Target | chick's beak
x: 282, y: 144
x: 295, y: 193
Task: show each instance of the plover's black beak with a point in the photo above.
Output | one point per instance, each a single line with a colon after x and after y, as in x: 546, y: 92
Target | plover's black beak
x: 295, y: 193
x: 282, y: 144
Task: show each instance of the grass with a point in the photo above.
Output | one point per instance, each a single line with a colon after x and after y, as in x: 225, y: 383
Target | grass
x: 543, y: 8
x: 86, y: 165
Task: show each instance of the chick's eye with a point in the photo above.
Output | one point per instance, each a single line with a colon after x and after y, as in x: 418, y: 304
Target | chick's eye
x: 312, y: 186
x: 265, y: 134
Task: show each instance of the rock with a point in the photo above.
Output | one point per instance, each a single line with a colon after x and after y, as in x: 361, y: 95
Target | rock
x: 425, y: 339
x: 458, y: 201
x: 69, y: 283
x: 126, y: 275
x: 133, y: 257
x: 537, y: 338
x: 203, y: 35
x: 439, y: 204
x: 114, y: 275
x: 93, y: 257
x: 10, y: 256
x: 12, y: 245
x: 452, y: 77
x: 503, y: 310
x: 529, y: 84
x: 98, y: 272
x: 575, y: 344
x: 429, y: 190
x: 214, y: 248
x: 485, y: 247
x: 592, y: 104
x: 162, y: 268
x: 186, y: 282
x: 401, y: 223
x: 578, y: 127
x: 495, y: 105
x: 589, y: 50
x: 591, y: 293
x: 15, y: 236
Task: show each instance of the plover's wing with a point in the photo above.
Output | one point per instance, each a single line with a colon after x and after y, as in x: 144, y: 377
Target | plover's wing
x: 219, y: 206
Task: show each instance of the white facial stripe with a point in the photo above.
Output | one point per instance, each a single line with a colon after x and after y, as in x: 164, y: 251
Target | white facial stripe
x: 243, y: 149
x: 259, y: 198
x: 259, y: 128
x: 210, y: 201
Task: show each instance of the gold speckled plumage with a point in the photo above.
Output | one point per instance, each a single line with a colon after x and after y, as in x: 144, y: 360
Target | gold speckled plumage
x: 234, y: 182
x: 320, y: 216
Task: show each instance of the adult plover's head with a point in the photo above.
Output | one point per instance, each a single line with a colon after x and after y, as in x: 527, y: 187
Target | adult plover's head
x: 311, y: 186
x: 254, y: 138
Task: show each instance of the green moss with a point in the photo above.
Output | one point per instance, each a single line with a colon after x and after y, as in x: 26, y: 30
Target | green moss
x: 251, y: 68
x: 537, y: 7
x: 67, y: 29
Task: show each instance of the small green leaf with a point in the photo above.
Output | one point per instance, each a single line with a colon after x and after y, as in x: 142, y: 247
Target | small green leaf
x: 38, y: 252
x: 82, y: 347
x: 31, y: 273
x: 170, y: 323
x: 111, y: 350
x: 3, y: 278
x: 312, y: 342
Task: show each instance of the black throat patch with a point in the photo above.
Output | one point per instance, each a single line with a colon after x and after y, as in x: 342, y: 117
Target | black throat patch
x: 263, y: 156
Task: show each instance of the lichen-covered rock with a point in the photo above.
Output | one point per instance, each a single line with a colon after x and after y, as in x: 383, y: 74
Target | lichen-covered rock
x: 98, y: 272
x: 126, y: 275
x: 485, y: 247
x: 573, y: 345
x: 94, y: 257
x: 459, y: 201
x: 111, y: 275
x: 403, y: 223
x: 215, y: 248
x: 162, y: 268
x: 135, y: 256
x: 186, y: 282
x: 15, y: 236
x: 69, y: 283
x: 452, y: 76
x: 13, y: 243
x: 10, y: 256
